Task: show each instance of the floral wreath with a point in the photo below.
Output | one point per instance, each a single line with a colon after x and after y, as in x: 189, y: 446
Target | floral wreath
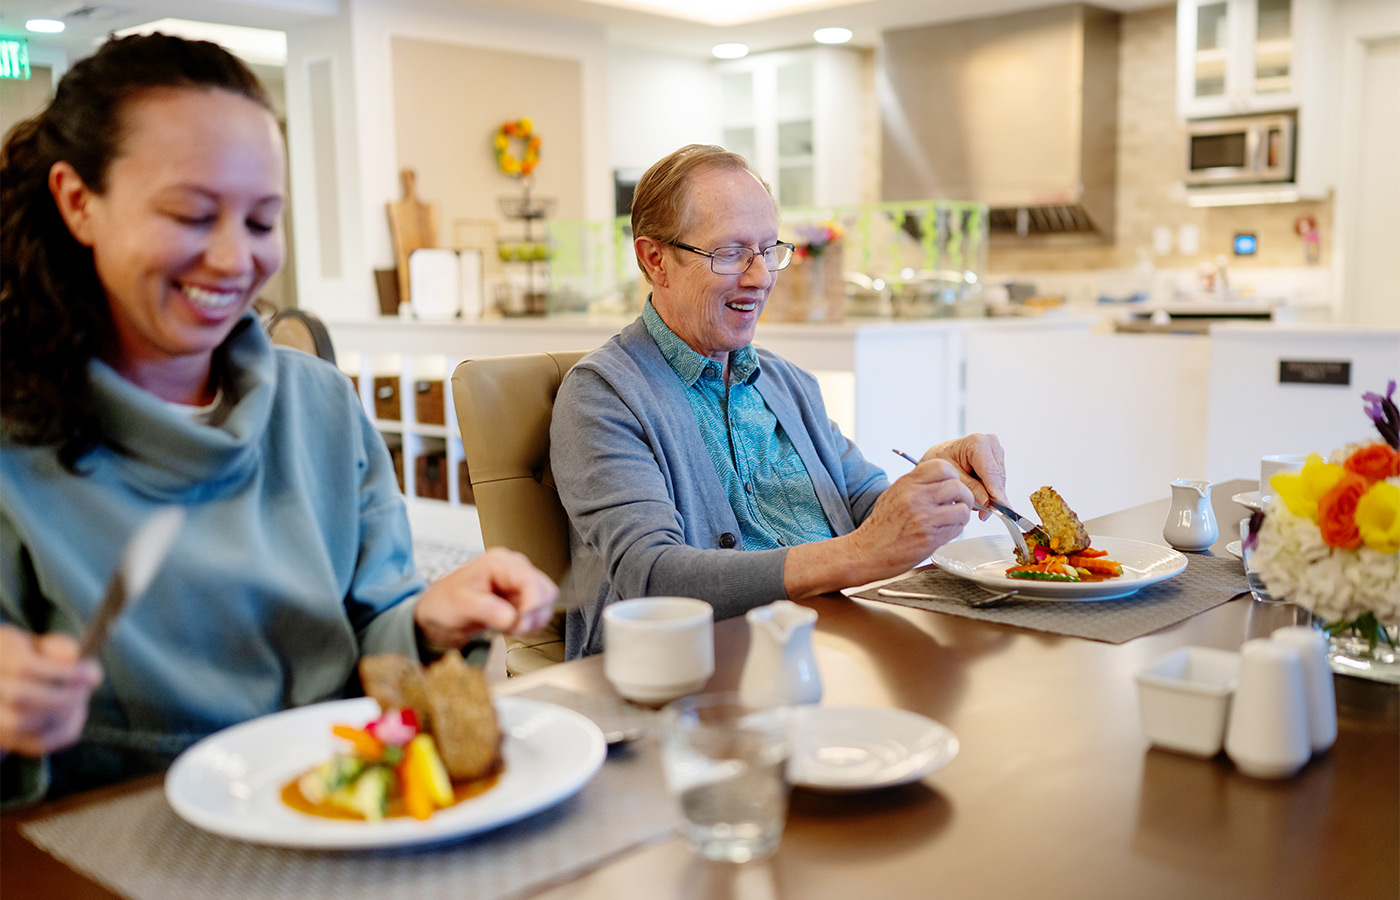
x: 508, y: 162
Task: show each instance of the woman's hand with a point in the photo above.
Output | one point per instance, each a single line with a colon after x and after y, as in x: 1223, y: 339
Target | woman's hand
x: 980, y: 462
x: 499, y: 589
x: 44, y: 691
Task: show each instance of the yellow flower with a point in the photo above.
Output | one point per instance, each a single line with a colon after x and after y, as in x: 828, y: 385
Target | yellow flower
x: 502, y: 142
x: 526, y: 126
x: 1378, y: 517
x: 1302, y: 490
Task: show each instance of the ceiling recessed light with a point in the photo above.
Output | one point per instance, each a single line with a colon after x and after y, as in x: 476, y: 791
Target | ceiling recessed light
x: 44, y: 26
x: 831, y: 35
x: 730, y: 51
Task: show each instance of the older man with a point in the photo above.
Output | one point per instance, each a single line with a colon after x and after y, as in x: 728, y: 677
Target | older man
x: 692, y: 463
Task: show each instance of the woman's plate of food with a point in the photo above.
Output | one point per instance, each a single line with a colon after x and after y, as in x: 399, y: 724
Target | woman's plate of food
x: 353, y: 774
x: 1062, y: 560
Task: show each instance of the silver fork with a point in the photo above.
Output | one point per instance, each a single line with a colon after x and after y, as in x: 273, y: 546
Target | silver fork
x: 1012, y: 527
x: 989, y: 600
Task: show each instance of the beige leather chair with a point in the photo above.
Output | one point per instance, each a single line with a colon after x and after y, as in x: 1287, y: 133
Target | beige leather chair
x: 504, y: 405
x: 302, y: 330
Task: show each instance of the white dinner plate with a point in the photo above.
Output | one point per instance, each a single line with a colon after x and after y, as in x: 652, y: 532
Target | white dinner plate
x: 231, y: 782
x: 1249, y: 500
x: 850, y: 748
x: 1234, y: 549
x: 986, y: 559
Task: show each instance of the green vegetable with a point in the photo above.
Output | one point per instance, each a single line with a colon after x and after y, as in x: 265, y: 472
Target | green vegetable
x: 1040, y: 576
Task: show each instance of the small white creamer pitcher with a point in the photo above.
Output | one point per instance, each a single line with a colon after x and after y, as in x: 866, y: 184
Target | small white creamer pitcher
x: 781, y: 668
x: 1191, y: 523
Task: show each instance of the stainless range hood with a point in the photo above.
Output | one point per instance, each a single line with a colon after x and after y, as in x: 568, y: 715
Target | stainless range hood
x: 1017, y: 111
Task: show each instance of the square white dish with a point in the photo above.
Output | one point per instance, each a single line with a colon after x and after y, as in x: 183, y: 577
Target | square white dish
x: 1185, y: 698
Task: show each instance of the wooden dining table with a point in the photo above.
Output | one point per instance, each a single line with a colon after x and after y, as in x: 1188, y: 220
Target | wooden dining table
x: 1055, y: 791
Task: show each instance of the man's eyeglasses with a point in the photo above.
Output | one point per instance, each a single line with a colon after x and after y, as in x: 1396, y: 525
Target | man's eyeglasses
x: 736, y: 260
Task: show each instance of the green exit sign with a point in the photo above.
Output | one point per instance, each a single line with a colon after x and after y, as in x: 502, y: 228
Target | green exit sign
x: 14, y: 58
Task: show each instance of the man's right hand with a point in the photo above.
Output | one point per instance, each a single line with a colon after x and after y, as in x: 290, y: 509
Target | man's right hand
x: 44, y: 691
x: 915, y: 516
x: 920, y: 512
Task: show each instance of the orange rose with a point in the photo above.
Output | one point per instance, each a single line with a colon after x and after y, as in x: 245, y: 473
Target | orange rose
x: 1336, y: 512
x: 1374, y: 462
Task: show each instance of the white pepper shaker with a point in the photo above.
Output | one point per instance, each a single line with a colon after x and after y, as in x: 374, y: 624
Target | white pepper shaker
x: 1267, y: 735
x: 1317, y: 683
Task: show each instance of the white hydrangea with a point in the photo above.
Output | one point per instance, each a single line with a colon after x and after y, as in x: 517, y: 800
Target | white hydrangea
x: 1337, y: 585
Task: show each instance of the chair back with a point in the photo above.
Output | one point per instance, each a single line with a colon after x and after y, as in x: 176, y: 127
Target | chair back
x: 302, y: 330
x: 504, y: 406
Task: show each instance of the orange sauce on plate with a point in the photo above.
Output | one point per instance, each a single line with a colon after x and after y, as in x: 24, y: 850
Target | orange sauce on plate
x: 461, y: 790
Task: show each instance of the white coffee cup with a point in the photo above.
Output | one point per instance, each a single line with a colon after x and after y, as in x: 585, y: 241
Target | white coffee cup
x: 1267, y: 735
x: 1269, y: 466
x: 656, y: 649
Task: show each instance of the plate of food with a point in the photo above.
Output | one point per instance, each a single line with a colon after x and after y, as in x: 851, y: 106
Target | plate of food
x: 428, y: 759
x: 1064, y: 562
x: 842, y: 749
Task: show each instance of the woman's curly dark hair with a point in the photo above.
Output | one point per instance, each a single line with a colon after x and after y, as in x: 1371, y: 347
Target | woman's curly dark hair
x: 53, y: 309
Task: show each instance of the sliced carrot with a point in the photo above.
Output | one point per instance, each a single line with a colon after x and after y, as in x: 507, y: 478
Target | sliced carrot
x: 1092, y: 553
x: 366, y: 744
x: 1097, y: 566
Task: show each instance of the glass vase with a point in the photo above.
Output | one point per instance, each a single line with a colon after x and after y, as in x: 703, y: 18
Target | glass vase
x: 1360, y: 648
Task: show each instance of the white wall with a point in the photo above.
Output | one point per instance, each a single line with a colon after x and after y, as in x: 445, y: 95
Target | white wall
x: 1357, y: 23
x: 358, y: 41
x: 656, y: 104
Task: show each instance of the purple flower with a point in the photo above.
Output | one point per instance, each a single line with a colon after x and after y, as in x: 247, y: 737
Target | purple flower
x: 1383, y: 412
x: 1256, y: 521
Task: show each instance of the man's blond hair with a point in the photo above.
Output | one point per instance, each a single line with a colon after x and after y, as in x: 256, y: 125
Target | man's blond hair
x: 661, y: 203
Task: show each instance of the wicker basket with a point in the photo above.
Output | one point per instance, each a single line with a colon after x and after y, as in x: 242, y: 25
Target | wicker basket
x: 428, y: 403
x: 386, y: 398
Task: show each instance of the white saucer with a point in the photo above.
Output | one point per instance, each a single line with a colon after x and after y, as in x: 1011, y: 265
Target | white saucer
x: 843, y: 749
x: 1249, y: 499
x: 1233, y: 548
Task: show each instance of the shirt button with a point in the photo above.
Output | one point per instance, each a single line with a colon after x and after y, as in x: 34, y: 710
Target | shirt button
x: 782, y: 542
x: 748, y: 488
x: 726, y: 540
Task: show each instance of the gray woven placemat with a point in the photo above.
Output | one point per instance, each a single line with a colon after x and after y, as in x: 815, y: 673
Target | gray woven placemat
x: 1207, y: 582
x: 139, y: 848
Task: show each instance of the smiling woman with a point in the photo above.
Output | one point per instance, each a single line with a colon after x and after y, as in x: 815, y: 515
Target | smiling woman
x: 142, y: 214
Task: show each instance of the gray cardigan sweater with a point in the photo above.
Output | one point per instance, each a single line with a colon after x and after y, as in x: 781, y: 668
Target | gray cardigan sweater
x: 648, y: 516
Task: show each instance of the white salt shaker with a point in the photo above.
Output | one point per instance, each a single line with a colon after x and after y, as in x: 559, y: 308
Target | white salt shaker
x: 1317, y: 682
x: 1267, y: 736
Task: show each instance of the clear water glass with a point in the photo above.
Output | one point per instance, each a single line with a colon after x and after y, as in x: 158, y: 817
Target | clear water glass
x: 1257, y: 588
x: 726, y: 764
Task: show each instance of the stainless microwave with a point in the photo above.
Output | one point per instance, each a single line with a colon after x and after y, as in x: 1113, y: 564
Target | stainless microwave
x: 1246, y: 150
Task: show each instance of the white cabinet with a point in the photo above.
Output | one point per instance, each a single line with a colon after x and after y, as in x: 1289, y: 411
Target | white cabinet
x: 795, y: 116
x: 1246, y: 56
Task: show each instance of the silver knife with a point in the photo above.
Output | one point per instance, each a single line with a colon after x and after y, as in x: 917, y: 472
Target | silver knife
x: 140, y: 560
x: 1021, y: 521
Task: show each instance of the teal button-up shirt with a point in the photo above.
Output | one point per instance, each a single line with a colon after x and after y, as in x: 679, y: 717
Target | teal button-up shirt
x: 767, y: 484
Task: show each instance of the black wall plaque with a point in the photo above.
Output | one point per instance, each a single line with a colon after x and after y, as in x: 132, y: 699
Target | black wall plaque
x: 1313, y: 371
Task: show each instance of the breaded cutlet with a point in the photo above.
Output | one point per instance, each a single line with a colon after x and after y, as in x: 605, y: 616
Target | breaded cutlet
x: 1060, y: 522
x: 464, y: 719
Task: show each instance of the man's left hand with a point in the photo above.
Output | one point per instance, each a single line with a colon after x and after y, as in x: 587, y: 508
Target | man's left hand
x: 980, y: 463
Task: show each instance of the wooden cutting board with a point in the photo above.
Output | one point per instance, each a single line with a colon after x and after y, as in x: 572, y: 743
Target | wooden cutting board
x: 412, y: 225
